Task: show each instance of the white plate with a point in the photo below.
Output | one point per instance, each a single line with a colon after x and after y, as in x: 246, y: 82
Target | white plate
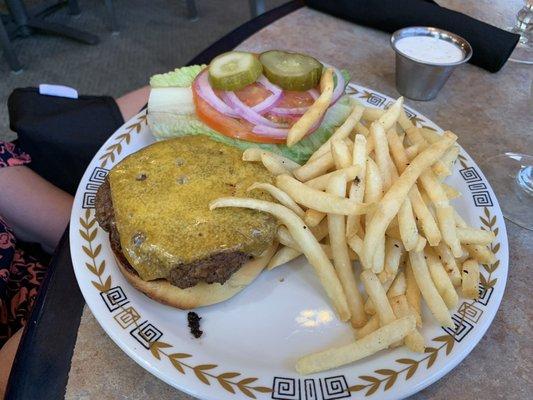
x: 251, y: 342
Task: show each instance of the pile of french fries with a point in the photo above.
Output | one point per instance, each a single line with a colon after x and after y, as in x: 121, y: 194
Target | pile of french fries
x: 370, y: 205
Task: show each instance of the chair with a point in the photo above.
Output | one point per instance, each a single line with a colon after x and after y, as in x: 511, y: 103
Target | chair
x: 74, y: 9
x: 257, y: 7
x: 9, y: 53
x: 22, y: 22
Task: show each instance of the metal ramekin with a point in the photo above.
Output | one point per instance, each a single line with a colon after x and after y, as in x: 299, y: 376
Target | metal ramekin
x: 419, y: 80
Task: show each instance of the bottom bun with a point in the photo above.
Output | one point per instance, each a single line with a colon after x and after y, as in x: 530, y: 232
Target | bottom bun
x: 202, y: 294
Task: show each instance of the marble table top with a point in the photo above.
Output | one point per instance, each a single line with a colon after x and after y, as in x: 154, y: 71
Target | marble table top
x: 491, y: 114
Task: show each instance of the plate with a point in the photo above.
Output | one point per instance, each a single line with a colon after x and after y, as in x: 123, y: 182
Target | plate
x: 251, y: 342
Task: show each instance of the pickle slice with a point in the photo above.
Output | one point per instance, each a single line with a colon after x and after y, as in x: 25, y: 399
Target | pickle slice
x: 234, y: 70
x: 291, y: 71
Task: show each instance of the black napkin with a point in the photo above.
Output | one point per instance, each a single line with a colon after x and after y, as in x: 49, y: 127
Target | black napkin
x: 61, y: 135
x: 491, y: 46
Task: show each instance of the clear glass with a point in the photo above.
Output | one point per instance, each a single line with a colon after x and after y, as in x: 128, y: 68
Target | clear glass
x: 523, y: 53
x: 511, y: 177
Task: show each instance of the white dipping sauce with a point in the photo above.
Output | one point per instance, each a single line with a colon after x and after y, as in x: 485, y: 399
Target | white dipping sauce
x: 429, y: 49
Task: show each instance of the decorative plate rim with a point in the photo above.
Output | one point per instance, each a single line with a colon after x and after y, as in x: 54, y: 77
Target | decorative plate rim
x: 249, y: 386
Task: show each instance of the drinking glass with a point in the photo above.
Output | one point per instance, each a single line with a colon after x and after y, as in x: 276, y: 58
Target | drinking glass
x: 523, y: 53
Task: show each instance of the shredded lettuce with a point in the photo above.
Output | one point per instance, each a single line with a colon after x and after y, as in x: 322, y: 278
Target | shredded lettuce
x: 180, y: 77
x: 168, y: 125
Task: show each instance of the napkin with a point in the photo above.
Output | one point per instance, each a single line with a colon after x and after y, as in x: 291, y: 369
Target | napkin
x: 491, y: 46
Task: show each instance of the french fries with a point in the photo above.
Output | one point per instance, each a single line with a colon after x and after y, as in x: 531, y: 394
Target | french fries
x: 320, y: 182
x: 341, y: 154
x: 475, y: 236
x: 341, y: 257
x: 313, y: 217
x: 298, y: 131
x: 255, y: 154
x: 414, y: 340
x: 308, y: 243
x: 444, y: 211
x: 441, y: 279
x: 428, y: 290
x: 412, y: 293
x: 318, y: 166
x: 361, y: 348
x: 282, y: 256
x: 391, y: 202
x: 381, y: 150
x: 374, y: 193
x: 280, y: 196
x: 357, y: 189
x: 450, y: 265
x: 379, y: 297
x: 317, y: 200
x: 343, y: 131
x: 470, y: 274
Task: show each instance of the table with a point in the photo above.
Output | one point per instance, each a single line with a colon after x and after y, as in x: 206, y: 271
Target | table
x: 491, y: 113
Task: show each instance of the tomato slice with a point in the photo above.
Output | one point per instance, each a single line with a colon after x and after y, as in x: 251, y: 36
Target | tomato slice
x: 250, y: 95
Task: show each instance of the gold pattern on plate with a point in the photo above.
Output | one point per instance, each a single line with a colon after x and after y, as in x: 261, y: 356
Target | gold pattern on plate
x: 489, y: 223
x: 229, y: 381
x: 389, y: 376
x: 116, y: 147
x: 233, y: 381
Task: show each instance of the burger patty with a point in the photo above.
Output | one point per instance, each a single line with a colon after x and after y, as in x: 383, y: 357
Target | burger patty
x: 216, y: 267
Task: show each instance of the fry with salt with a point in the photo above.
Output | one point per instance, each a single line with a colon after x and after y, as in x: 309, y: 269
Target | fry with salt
x: 414, y: 340
x: 469, y: 235
x: 381, y: 150
x: 357, y: 190
x: 441, y: 279
x: 255, y: 153
x: 450, y: 265
x: 317, y: 200
x: 470, y: 273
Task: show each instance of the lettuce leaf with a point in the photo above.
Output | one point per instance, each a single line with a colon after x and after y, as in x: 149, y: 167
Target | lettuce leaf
x: 168, y: 125
x: 180, y: 77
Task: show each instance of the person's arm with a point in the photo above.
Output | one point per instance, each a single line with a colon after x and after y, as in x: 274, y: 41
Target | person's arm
x: 7, y: 356
x: 132, y: 102
x: 36, y: 210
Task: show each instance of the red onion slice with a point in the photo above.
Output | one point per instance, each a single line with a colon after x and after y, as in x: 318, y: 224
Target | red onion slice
x: 277, y: 133
x: 271, y: 100
x: 248, y: 113
x: 206, y: 92
x: 314, y: 93
x: 288, y: 111
x: 269, y: 85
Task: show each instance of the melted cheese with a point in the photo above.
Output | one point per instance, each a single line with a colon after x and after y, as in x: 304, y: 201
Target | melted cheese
x: 161, y: 195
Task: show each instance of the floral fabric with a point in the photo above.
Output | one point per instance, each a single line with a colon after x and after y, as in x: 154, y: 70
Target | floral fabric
x: 20, y: 273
